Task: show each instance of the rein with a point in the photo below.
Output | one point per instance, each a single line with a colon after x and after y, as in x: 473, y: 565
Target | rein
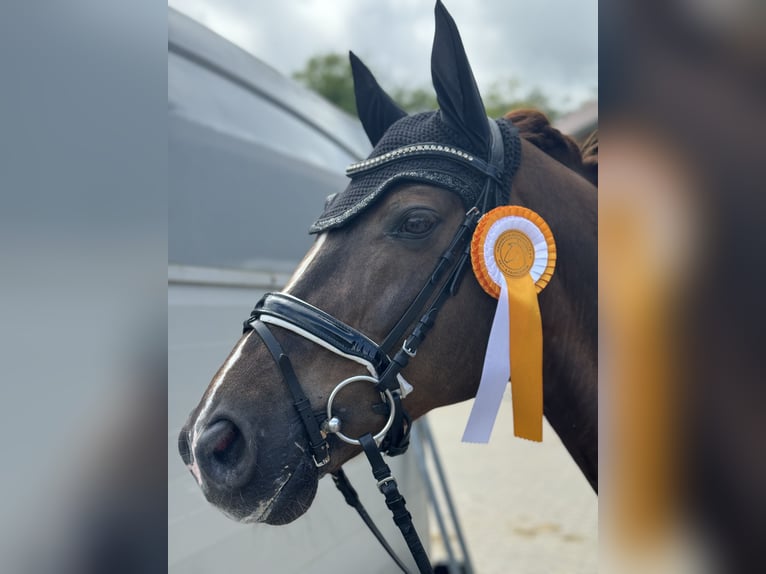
x: 323, y: 329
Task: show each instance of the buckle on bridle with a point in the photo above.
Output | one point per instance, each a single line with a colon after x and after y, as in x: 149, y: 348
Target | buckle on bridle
x: 385, y: 481
x: 321, y: 463
x: 408, y: 350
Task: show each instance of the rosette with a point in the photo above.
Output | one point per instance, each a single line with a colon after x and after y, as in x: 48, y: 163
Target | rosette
x: 513, y: 255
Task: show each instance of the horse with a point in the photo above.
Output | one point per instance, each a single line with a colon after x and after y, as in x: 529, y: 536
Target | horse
x: 390, y: 250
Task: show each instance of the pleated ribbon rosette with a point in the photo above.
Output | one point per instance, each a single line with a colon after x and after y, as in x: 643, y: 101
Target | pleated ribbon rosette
x: 513, y: 255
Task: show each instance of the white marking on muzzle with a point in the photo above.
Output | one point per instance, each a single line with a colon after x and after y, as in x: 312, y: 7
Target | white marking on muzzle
x: 263, y: 510
x: 202, y: 416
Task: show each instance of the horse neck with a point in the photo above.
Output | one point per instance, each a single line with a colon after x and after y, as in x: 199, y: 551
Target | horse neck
x: 569, y: 304
x: 570, y: 389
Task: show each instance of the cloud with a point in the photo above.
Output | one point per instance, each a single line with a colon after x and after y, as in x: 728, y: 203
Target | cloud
x: 550, y: 44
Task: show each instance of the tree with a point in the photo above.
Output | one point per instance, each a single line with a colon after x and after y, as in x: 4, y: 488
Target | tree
x: 504, y: 96
x: 330, y: 76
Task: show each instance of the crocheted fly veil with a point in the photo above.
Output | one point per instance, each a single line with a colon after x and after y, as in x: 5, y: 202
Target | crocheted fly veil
x: 450, y: 148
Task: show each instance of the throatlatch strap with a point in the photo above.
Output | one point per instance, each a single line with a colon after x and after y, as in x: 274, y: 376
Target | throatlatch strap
x: 395, y: 502
x: 319, y: 447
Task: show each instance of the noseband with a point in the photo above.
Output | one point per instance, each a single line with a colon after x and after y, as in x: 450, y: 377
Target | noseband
x: 284, y: 310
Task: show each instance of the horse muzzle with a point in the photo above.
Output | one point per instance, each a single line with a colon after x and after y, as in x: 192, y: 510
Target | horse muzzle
x: 247, y: 483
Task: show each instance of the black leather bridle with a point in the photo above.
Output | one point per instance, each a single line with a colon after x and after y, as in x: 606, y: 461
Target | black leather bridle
x: 323, y: 329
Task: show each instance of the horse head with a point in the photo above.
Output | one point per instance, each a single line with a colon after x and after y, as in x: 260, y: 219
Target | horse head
x: 389, y: 249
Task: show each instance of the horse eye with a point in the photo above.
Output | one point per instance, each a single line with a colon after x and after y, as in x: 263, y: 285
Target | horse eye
x: 417, y: 225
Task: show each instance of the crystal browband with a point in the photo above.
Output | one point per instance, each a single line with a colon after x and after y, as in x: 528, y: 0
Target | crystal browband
x: 432, y: 150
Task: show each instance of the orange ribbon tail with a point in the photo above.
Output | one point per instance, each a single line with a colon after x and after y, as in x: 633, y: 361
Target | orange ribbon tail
x: 526, y: 353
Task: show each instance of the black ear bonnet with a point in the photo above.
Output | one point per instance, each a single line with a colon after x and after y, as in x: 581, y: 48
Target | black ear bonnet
x: 456, y: 148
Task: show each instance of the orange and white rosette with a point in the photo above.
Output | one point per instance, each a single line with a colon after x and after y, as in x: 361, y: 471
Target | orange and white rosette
x: 513, y: 256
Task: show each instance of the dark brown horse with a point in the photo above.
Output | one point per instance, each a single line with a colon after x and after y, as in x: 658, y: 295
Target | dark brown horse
x: 377, y: 245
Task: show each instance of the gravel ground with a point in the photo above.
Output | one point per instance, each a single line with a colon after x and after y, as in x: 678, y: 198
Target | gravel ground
x: 524, y: 507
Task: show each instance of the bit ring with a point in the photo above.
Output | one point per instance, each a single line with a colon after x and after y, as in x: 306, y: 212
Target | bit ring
x: 386, y: 395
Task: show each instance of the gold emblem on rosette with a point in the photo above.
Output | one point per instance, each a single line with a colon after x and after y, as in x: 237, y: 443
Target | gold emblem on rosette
x: 514, y: 253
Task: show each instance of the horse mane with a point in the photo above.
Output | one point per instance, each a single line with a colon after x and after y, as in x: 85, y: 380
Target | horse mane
x: 535, y: 127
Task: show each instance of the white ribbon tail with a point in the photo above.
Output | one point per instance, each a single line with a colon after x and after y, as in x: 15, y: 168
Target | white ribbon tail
x: 494, y: 375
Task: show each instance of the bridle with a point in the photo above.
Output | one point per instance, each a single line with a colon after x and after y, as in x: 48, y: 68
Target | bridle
x: 323, y: 329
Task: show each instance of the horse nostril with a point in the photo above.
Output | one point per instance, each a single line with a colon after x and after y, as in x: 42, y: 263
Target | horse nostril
x: 222, y: 454
x: 229, y: 444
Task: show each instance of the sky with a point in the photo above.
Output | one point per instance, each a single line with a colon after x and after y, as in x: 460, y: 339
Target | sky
x: 547, y: 44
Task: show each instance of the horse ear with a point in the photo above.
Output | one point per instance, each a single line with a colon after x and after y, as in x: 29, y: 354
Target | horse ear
x: 377, y: 111
x: 456, y: 90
